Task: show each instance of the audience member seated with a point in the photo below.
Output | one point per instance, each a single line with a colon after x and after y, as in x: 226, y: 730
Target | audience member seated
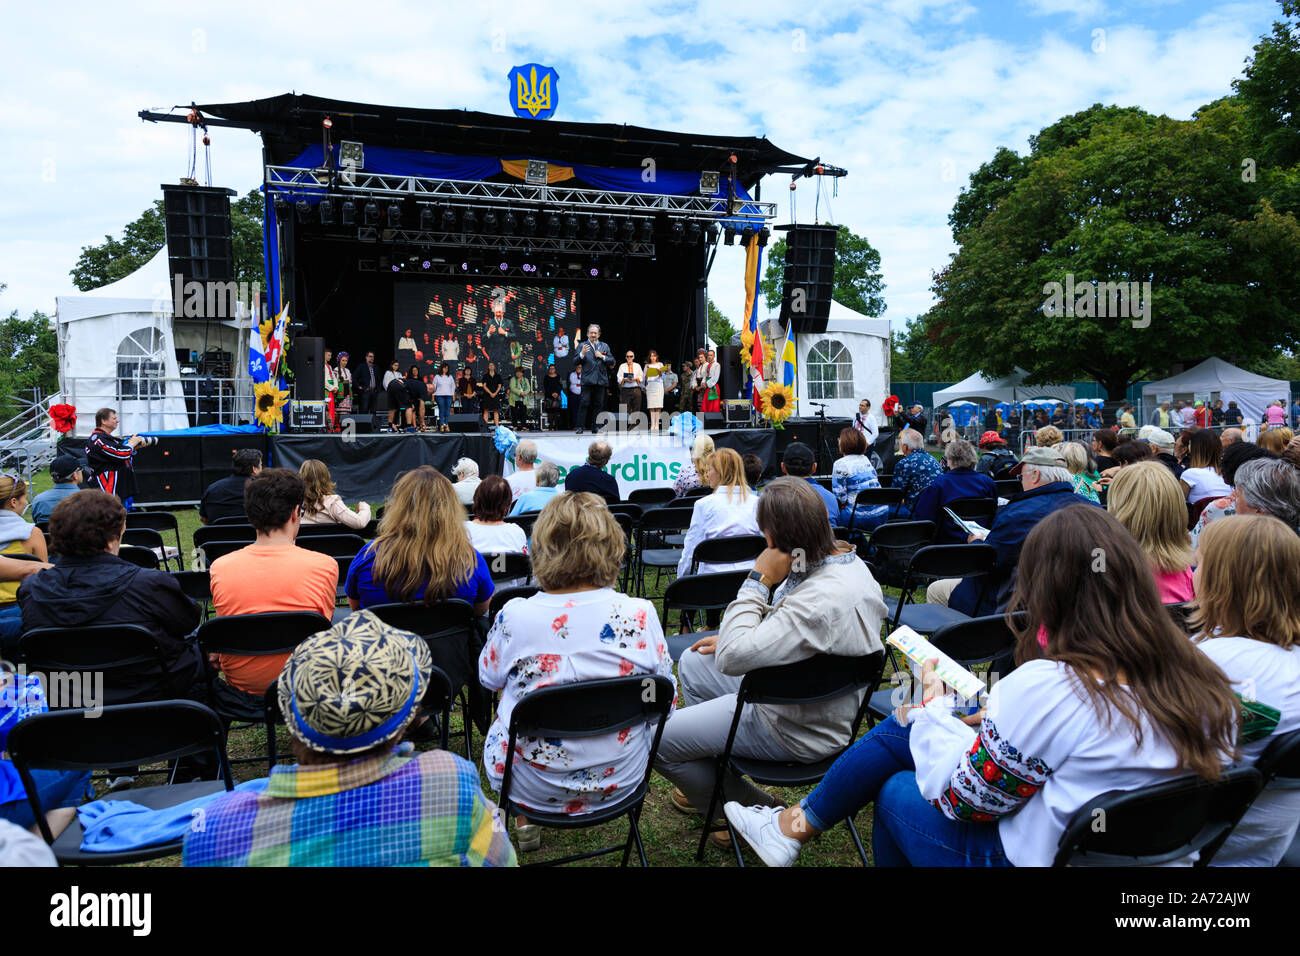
x: 92, y: 585
x: 1267, y: 487
x: 853, y: 472
x: 1147, y: 500
x: 225, y: 496
x: 489, y: 532
x: 959, y: 481
x: 591, y: 475
x: 1234, y: 456
x: 1047, y: 488
x: 271, y: 574
x: 780, y: 615
x: 753, y: 466
x: 997, y: 460
x: 1231, y: 436
x: 524, y: 477
x: 66, y: 473
x: 422, y: 551
x: 915, y: 470
x: 798, y: 461
x: 577, y: 628
x: 1248, y: 621
x: 17, y: 534
x: 1201, y: 478
x: 1109, y: 695
x: 1162, y: 445
x: 356, y: 796
x: 1049, y: 436
x: 692, y: 473
x: 467, y: 480
x: 546, y: 474
x: 1275, y: 439
x: 1083, y: 475
x: 14, y: 571
x: 321, y: 505
x: 59, y: 791
x: 1104, y: 441
x: 728, y: 512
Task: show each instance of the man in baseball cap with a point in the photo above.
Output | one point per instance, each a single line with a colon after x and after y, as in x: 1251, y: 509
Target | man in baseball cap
x: 798, y: 461
x: 67, y: 473
x: 996, y: 460
x: 356, y: 797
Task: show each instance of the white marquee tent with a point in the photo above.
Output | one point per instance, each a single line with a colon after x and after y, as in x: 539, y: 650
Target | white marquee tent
x: 1221, y: 380
x: 1008, y: 389
x: 843, y: 365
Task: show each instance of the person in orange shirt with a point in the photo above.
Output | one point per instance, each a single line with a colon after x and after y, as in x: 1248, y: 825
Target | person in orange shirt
x: 272, y: 574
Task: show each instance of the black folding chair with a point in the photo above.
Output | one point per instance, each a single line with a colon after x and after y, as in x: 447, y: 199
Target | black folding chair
x: 118, y: 652
x: 591, y: 709
x: 502, y: 596
x: 255, y: 635
x: 118, y: 736
x: 980, y: 510
x: 934, y: 562
x: 452, y: 633
x: 891, y: 547
x: 702, y: 491
x: 160, y: 521
x: 1008, y: 486
x: 1182, y: 615
x: 972, y: 643
x: 1157, y: 824
x: 140, y: 557
x: 627, y: 522
x: 224, y: 532
x: 345, y: 565
x: 209, y: 551
x: 654, y: 525
x: 874, y: 498
x: 823, y: 480
x: 525, y: 521
x: 149, y: 540
x: 229, y: 520
x: 508, y: 566
x: 697, y: 593
x: 646, y: 497
x: 312, y: 530
x: 334, y: 545
x: 728, y: 550
x: 625, y: 508
x: 841, y: 534
x: 819, y: 678
x: 1278, y: 765
x: 197, y: 586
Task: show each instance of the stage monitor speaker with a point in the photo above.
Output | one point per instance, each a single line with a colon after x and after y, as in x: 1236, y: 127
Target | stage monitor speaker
x: 809, y: 276
x: 169, y: 454
x: 732, y: 379
x: 307, y: 362
x: 359, y: 424
x: 167, y: 486
x: 712, y: 420
x: 463, y: 423
x: 199, y: 247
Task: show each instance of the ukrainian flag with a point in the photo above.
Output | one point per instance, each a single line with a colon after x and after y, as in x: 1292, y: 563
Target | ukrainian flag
x: 787, y: 354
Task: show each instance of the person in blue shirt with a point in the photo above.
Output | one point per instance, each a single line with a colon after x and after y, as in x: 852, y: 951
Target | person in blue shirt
x: 798, y: 461
x: 959, y: 481
x: 548, y: 473
x: 68, y: 476
x: 914, y: 471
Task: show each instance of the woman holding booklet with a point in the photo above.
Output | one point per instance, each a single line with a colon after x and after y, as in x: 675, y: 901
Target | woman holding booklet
x: 1109, y: 695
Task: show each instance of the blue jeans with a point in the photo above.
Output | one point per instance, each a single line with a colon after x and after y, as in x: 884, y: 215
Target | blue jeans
x: 444, y: 408
x: 910, y: 831
x: 869, y: 519
x: 55, y: 788
x: 11, y: 629
x: 855, y: 779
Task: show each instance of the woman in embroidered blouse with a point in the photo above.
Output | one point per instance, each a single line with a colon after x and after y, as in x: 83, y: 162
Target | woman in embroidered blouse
x: 692, y: 473
x: 1109, y: 695
x: 578, y: 628
x: 343, y: 402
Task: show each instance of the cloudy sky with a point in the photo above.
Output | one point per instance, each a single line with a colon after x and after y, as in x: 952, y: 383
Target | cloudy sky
x: 910, y: 97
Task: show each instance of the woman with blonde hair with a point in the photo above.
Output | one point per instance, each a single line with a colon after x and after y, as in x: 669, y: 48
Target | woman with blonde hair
x: 17, y: 534
x: 1275, y: 439
x: 731, y: 510
x: 422, y: 552
x: 1082, y: 475
x: 1247, y: 614
x: 321, y: 505
x: 1146, y: 500
x: 1049, y: 436
x: 577, y: 628
x: 692, y: 473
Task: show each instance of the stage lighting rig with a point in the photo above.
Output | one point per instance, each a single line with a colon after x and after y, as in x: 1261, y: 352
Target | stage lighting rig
x: 610, y: 229
x: 490, y: 221
x: 570, y: 226
x: 508, y: 223
x: 710, y: 180
x: 553, y: 225
x: 711, y: 233
x: 677, y: 231
x: 372, y: 213
x: 448, y: 220
x: 426, y: 219
x: 326, y: 208
x: 763, y: 235
x: 647, y: 230
x: 627, y: 230
x: 468, y: 221
x: 693, y: 232
x: 729, y: 235
x: 394, y: 215
x: 304, y: 210
x: 746, y: 235
x: 529, y: 224
x: 592, y: 227
x: 281, y: 208
x: 349, y: 212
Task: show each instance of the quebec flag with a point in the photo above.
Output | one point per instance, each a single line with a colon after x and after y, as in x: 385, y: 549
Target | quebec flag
x: 257, y: 369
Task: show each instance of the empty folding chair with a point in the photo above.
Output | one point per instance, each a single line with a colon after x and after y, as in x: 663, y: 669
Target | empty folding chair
x: 224, y: 532
x: 1008, y: 486
x: 698, y: 593
x: 197, y: 586
x: 150, y: 540
x: 874, y: 498
x: 508, y: 566
x: 650, y: 552
x: 160, y: 521
x: 231, y: 519
x: 209, y: 551
x: 334, y: 545
x: 650, y: 496
x: 728, y: 550
x: 891, y: 547
x: 934, y: 562
x: 140, y: 557
x: 502, y: 596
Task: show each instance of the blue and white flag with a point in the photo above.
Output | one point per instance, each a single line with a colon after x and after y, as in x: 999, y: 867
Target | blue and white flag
x: 257, y: 369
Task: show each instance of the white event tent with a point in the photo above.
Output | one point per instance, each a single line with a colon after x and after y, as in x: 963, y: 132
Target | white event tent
x: 1008, y: 389
x: 1221, y: 380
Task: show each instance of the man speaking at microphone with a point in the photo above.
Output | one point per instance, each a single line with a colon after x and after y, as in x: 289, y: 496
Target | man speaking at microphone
x: 597, y: 360
x: 110, y: 458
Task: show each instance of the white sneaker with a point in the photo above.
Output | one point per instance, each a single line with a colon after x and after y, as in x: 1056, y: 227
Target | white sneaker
x: 760, y: 830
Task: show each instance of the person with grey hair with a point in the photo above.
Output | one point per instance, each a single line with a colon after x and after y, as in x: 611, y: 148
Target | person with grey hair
x: 523, y: 479
x: 1269, y: 486
x: 914, y: 471
x: 467, y: 480
x: 591, y: 476
x: 1081, y: 465
x: 548, y: 475
x: 959, y: 481
x: 597, y: 362
x: 1047, y: 488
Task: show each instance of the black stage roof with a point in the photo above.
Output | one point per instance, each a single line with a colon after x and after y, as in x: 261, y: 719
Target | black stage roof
x: 290, y: 122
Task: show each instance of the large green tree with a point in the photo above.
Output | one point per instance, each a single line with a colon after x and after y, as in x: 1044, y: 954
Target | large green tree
x: 29, y: 359
x: 720, y: 328
x: 859, y: 284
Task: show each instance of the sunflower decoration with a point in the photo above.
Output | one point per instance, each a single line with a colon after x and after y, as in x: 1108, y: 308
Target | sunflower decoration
x: 746, y: 346
x: 268, y: 405
x: 778, y: 403
x: 265, y: 330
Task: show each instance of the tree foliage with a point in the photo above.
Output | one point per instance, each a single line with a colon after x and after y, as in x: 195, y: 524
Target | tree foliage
x: 29, y: 358
x: 859, y: 284
x: 720, y: 328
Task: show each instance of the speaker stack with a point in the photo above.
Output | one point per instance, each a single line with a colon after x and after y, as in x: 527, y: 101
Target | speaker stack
x: 732, y: 377
x: 199, y: 246
x: 169, y: 471
x: 809, y: 276
x: 307, y: 362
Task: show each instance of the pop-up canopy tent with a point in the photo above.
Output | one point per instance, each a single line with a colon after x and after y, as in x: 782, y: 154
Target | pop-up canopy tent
x: 1219, y: 379
x: 1009, y: 388
x: 117, y: 349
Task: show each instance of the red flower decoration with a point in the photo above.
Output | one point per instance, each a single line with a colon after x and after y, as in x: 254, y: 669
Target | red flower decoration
x: 63, y: 418
x: 890, y: 405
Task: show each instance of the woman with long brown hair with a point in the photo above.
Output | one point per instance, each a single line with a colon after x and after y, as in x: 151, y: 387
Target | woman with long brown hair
x: 1202, y: 477
x: 321, y: 505
x: 1108, y: 695
x: 1252, y: 631
x: 422, y: 552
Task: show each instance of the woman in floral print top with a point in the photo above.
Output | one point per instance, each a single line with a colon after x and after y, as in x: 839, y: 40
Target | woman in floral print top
x: 578, y: 628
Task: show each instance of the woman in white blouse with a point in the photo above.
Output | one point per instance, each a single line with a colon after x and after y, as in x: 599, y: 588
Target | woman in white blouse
x: 1201, y: 478
x: 731, y: 510
x: 1109, y: 695
x: 489, y: 532
x: 321, y: 505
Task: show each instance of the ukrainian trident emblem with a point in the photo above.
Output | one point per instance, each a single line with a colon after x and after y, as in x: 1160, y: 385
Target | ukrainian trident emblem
x: 534, y: 91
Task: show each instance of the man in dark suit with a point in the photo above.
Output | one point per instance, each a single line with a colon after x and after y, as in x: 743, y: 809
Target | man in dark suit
x: 592, y: 476
x: 367, y: 383
x: 597, y: 360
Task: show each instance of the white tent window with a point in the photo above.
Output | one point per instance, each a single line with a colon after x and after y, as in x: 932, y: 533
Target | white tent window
x: 141, y: 365
x: 830, y: 370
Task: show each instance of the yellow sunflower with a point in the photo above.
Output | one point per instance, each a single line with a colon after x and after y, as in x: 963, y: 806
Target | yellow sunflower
x: 268, y: 404
x: 778, y: 403
x: 746, y: 346
x: 264, y: 330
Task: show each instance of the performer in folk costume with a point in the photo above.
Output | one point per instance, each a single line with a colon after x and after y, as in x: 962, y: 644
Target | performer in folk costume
x: 331, y: 390
x: 712, y: 373
x: 343, y: 404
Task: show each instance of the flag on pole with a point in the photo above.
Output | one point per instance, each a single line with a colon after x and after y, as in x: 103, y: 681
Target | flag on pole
x: 753, y: 266
x: 275, y: 347
x: 787, y: 356
x: 257, y: 368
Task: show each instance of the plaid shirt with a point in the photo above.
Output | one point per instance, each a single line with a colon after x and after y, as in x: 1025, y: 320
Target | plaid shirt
x: 402, y: 809
x: 913, y: 474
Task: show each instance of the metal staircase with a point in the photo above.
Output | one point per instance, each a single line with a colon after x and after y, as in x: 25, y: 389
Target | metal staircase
x: 27, y: 441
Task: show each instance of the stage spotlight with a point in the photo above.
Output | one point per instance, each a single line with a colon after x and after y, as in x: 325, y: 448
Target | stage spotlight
x: 570, y: 226
x: 610, y: 228
x: 394, y: 215
x: 553, y: 225
x: 729, y: 235
x: 448, y: 220
x: 530, y: 224
x: 676, y: 231
x: 304, y: 210
x: 712, y: 233
x: 490, y: 221
x: 426, y: 218
x: 508, y: 223
x: 762, y: 236
x: 693, y: 232
x: 503, y: 266
x: 326, y: 208
x: 349, y: 213
x: 468, y: 221
x: 746, y: 235
x: 627, y: 230
x: 425, y: 264
x: 593, y: 227
x: 281, y: 208
x: 647, y: 230
x: 372, y: 213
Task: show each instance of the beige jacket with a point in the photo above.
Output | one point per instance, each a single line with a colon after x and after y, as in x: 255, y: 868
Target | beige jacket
x: 334, y: 511
x: 837, y: 608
